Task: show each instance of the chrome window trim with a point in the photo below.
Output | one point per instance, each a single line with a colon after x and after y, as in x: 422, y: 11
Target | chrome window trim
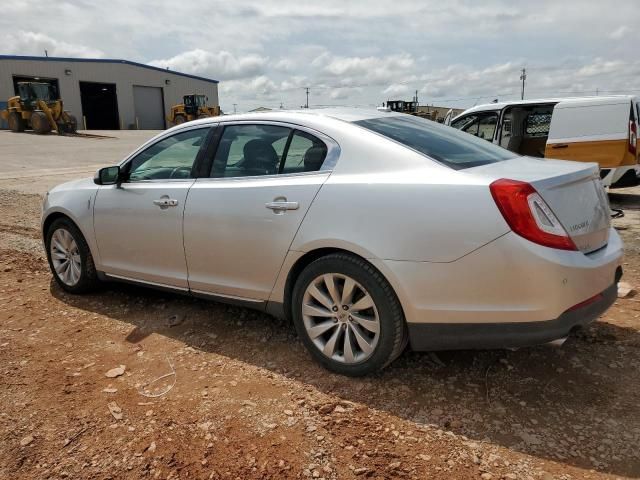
x: 333, y: 148
x: 259, y: 177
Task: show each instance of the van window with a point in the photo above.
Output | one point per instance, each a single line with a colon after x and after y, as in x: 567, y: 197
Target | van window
x: 444, y: 144
x: 537, y: 124
x: 481, y: 125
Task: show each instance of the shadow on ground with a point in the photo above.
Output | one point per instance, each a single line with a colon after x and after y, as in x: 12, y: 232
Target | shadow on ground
x: 576, y: 405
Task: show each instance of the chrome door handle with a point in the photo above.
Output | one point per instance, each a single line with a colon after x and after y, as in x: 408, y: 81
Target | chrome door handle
x: 280, y: 206
x: 165, y: 202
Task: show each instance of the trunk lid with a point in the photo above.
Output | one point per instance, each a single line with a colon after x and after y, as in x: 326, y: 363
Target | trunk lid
x: 573, y: 191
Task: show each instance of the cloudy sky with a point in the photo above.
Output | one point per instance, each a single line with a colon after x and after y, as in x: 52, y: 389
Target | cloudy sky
x: 454, y: 52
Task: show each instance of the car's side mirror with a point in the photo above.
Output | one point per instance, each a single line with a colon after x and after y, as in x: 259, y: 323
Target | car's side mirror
x: 107, y: 176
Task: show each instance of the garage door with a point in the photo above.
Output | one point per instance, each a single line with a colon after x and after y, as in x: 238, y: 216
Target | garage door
x: 149, y: 107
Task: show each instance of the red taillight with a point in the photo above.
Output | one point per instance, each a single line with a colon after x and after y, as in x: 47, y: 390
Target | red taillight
x: 528, y: 215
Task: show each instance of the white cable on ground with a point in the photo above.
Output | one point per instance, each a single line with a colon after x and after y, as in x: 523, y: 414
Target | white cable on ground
x: 141, y: 389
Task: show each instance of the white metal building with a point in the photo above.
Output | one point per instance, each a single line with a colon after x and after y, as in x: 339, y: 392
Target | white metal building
x: 107, y: 94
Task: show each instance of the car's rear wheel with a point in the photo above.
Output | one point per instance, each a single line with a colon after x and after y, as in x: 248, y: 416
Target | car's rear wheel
x: 347, y: 315
x: 69, y: 257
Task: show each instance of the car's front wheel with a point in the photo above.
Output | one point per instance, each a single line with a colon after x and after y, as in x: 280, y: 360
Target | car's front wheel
x: 69, y: 257
x: 347, y: 315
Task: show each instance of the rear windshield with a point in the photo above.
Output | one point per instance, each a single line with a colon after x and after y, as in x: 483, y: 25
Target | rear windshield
x: 447, y: 145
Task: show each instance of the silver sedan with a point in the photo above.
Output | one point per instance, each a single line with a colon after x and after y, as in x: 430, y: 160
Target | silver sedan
x: 369, y: 230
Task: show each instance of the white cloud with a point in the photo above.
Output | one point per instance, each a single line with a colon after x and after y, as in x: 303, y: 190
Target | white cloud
x: 33, y: 43
x: 266, y: 51
x: 395, y: 89
x: 284, y: 65
x: 620, y: 32
x: 221, y: 65
x: 369, y: 69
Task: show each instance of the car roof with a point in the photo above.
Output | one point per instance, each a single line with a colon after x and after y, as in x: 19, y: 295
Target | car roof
x: 347, y: 114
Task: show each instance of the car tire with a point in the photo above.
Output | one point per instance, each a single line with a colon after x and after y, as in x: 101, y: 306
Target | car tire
x: 347, y: 357
x: 75, y: 272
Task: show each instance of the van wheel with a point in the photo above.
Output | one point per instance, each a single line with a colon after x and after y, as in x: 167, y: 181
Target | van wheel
x: 69, y: 257
x: 347, y: 315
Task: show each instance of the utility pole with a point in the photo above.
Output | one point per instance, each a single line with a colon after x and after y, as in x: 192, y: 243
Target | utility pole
x: 234, y: 107
x: 46, y: 54
x: 306, y: 105
x: 523, y: 77
x: 416, y: 105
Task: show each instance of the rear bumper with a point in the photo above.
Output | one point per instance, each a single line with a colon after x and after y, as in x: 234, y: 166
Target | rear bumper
x: 463, y: 336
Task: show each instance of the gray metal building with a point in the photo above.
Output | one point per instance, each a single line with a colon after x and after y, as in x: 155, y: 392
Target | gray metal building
x: 107, y: 94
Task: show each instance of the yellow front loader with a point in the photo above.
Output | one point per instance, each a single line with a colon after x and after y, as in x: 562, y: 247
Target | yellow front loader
x: 193, y: 107
x: 38, y: 108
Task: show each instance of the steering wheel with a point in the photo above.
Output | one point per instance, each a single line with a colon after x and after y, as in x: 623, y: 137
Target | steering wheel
x: 178, y: 169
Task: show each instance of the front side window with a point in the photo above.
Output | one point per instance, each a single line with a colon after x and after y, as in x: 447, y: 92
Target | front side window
x: 483, y: 126
x: 467, y: 124
x: 170, y: 158
x: 444, y: 144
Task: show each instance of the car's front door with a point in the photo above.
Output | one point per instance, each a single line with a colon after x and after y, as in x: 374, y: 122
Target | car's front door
x: 138, y: 223
x: 240, y: 222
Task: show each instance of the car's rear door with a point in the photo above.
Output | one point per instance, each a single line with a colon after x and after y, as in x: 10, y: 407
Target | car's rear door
x: 138, y: 223
x: 240, y: 222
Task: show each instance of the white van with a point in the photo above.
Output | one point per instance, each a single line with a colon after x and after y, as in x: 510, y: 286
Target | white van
x: 587, y: 129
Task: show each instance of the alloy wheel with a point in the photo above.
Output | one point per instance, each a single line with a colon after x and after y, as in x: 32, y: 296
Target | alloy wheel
x: 341, y: 318
x: 65, y: 257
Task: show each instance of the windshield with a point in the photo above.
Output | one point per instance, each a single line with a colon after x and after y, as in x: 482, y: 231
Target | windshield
x: 447, y: 145
x: 42, y: 91
x: 31, y: 91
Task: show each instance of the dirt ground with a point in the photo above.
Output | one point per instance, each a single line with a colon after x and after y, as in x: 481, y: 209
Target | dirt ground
x: 238, y: 397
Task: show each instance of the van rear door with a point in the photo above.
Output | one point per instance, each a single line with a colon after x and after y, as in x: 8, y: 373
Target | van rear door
x: 590, y: 130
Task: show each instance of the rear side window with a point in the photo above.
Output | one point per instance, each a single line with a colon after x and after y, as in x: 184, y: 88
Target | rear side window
x: 250, y: 150
x: 447, y: 145
x: 306, y: 153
